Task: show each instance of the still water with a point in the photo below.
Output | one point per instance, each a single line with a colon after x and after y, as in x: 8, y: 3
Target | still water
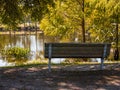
x: 32, y: 42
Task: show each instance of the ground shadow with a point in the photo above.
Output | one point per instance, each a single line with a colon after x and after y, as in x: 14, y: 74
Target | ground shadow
x: 38, y: 78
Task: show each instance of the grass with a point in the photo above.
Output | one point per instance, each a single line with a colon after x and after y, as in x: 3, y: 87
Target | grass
x: 43, y: 64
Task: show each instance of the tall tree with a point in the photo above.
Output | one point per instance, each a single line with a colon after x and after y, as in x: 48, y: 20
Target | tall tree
x: 72, y: 15
x: 12, y: 11
x: 101, y: 20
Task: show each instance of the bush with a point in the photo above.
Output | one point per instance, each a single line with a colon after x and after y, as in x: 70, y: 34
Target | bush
x: 17, y: 52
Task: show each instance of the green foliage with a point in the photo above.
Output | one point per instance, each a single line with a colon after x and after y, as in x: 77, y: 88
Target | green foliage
x: 65, y: 20
x: 17, y: 52
x: 62, y: 21
x: 12, y: 12
x: 102, y: 18
x: 64, y: 17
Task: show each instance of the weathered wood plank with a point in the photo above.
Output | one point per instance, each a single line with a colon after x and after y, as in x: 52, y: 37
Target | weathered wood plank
x: 75, y: 50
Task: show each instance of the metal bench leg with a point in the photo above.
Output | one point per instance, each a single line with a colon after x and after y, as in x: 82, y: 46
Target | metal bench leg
x: 50, y: 54
x: 104, y: 55
x: 49, y: 65
x: 102, y: 64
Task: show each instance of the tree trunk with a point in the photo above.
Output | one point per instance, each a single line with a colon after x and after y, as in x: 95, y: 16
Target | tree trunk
x: 117, y: 38
x: 83, y: 24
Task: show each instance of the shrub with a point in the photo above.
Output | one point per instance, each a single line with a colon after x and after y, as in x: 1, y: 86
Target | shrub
x: 17, y: 52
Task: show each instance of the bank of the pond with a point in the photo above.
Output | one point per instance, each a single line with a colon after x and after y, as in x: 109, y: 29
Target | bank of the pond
x: 88, y: 65
x: 20, y: 32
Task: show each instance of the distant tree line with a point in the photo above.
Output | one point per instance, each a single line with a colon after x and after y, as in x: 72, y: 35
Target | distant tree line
x: 81, y: 20
x: 14, y: 12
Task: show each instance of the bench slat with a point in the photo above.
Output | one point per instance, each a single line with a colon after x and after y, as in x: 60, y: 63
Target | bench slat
x: 75, y: 50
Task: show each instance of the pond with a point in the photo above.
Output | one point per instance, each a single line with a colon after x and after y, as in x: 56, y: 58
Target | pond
x: 32, y: 42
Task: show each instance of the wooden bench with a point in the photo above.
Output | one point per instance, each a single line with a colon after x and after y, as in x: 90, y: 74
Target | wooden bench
x: 76, y: 50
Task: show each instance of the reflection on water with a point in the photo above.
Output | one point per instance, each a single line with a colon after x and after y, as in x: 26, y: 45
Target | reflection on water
x: 33, y: 42
x: 3, y: 63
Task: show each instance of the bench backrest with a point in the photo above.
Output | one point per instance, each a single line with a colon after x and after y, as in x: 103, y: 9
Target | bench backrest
x: 76, y: 50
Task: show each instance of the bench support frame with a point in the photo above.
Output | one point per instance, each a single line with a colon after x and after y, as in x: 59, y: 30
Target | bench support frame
x: 50, y: 56
x: 104, y: 54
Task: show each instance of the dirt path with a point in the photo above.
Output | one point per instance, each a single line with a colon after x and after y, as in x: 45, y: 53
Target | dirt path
x: 61, y: 78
